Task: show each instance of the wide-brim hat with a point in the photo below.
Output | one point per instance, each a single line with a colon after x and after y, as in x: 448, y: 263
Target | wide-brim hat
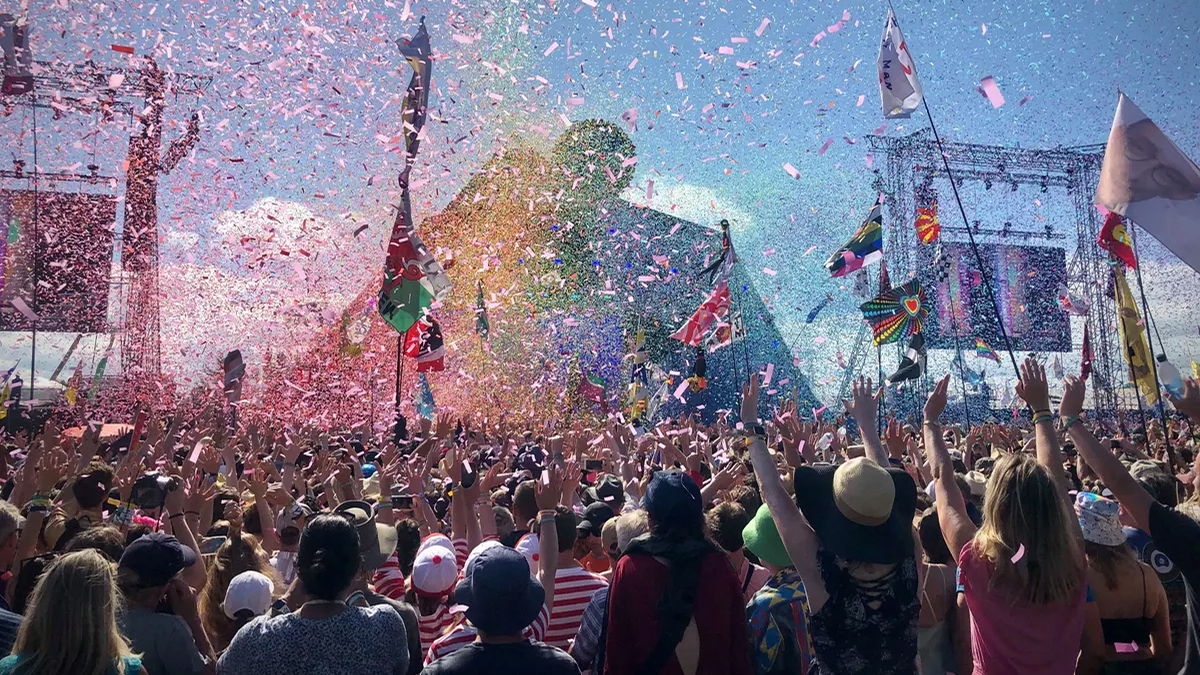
x: 376, y: 541
x: 762, y: 539
x: 501, y: 596
x: 860, y: 511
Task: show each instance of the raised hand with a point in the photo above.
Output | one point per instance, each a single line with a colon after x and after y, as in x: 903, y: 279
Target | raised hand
x: 894, y: 438
x: 748, y: 412
x: 1033, y: 388
x: 1189, y: 403
x: 936, y: 403
x: 549, y: 490
x: 864, y: 406
x: 1072, y: 401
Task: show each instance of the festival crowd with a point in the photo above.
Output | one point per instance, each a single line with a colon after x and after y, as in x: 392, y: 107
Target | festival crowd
x: 189, y: 545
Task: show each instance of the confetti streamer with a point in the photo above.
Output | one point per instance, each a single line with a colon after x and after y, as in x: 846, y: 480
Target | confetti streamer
x: 992, y: 92
x: 762, y: 27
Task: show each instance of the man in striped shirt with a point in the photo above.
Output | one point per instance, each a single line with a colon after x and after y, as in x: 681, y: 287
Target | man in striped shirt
x: 573, y: 585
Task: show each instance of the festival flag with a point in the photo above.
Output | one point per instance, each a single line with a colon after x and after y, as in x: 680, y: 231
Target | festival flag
x: 929, y: 228
x: 722, y: 268
x: 1071, y: 303
x: 1148, y: 179
x: 71, y: 393
x: 899, y: 86
x: 941, y: 264
x: 912, y: 365
x: 864, y: 248
x: 1085, y: 360
x: 482, y: 327
x: 1114, y: 238
x: 66, y: 357
x: 414, y: 110
x: 812, y: 316
x: 1133, y: 340
x: 639, y: 358
x: 6, y: 392
x: 714, y: 307
x: 1196, y: 369
x: 423, y: 398
x: 591, y: 388
x: 885, y: 281
x: 725, y: 333
x: 984, y: 351
x: 423, y: 342
x: 17, y: 67
x: 896, y: 313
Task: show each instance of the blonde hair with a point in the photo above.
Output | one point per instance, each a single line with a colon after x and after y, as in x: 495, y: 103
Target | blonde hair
x: 240, y: 553
x: 70, y: 626
x: 1024, y: 507
x: 630, y: 526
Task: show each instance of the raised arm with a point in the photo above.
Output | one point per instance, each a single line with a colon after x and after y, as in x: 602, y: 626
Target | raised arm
x: 798, y: 537
x: 865, y: 411
x: 548, y: 493
x: 956, y: 525
x: 1034, y: 390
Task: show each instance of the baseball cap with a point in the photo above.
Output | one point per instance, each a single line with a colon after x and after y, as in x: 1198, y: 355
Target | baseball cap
x: 156, y: 558
x: 434, y: 571
x: 248, y: 591
x: 594, y: 517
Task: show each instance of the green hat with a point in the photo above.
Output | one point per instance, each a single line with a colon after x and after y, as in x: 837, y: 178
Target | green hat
x: 762, y: 538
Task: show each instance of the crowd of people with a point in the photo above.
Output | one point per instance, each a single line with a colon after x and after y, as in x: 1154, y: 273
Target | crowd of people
x: 1062, y: 544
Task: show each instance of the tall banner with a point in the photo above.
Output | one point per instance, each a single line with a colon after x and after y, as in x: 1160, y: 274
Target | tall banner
x: 899, y: 86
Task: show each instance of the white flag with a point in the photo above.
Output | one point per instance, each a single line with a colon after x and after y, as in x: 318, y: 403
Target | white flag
x: 1149, y: 180
x: 899, y: 87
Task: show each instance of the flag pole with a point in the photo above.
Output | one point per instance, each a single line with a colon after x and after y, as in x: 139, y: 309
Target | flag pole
x: 983, y: 271
x: 1162, y: 412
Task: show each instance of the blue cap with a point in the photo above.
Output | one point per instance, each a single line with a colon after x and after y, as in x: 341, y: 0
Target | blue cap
x: 156, y: 558
x: 673, y: 497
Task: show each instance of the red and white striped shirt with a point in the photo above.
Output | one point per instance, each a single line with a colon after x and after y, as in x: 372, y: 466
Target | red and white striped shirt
x: 435, y: 625
x: 389, y: 580
x: 464, y: 634
x: 573, y: 590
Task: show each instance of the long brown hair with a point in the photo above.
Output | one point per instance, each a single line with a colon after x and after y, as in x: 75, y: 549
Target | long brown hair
x: 70, y: 626
x: 240, y: 553
x: 1106, y: 560
x: 1024, y: 507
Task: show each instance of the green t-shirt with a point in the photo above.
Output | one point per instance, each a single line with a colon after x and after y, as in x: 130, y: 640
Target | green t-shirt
x: 8, y: 665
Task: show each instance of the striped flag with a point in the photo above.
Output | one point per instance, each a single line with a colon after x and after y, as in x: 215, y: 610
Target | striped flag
x: 864, y: 248
x: 714, y: 307
x: 423, y: 401
x: 984, y: 350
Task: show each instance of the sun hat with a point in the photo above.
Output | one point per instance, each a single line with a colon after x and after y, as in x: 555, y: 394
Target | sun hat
x: 859, y: 510
x: 248, y: 590
x: 977, y: 482
x: 376, y: 541
x: 434, y: 571
x: 762, y: 539
x: 608, y: 490
x: 500, y: 595
x: 527, y: 546
x: 1100, y: 519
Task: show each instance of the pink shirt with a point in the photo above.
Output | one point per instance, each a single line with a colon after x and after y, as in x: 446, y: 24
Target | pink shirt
x: 1010, y: 636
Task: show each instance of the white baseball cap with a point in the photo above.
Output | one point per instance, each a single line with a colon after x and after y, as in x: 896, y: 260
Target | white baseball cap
x: 435, y: 571
x: 248, y: 590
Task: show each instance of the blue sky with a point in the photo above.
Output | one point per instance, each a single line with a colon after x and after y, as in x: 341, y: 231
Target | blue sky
x: 304, y: 107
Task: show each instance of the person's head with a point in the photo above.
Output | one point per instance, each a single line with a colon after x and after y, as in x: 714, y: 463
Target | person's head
x: 763, y: 540
x: 504, y: 521
x: 290, y: 522
x: 500, y: 594
x: 608, y: 539
x: 673, y: 503
x: 249, y: 595
x: 565, y: 524
x: 630, y: 526
x: 434, y: 571
x: 149, y: 564
x: 240, y: 553
x: 108, y: 539
x: 608, y: 490
x: 327, y: 560
x: 590, y: 528
x: 376, y: 541
x: 725, y: 523
x: 525, y: 506
x: 408, y: 538
x: 860, y: 511
x: 937, y: 552
x: 91, y: 489
x: 1103, y: 539
x: 1024, y: 508
x: 11, y: 523
x: 746, y: 496
x: 1160, y: 484
x: 70, y: 624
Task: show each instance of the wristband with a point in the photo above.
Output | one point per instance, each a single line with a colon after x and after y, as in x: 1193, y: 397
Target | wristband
x: 547, y: 513
x: 38, y: 508
x: 176, y: 515
x: 1043, y: 417
x: 1069, y: 421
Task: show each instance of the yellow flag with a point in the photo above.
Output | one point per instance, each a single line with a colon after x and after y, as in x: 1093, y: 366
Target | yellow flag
x: 1133, y: 341
x: 1195, y: 369
x: 4, y: 394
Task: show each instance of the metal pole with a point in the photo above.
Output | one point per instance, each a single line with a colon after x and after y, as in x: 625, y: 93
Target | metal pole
x: 36, y: 264
x: 1162, y: 412
x: 987, y: 279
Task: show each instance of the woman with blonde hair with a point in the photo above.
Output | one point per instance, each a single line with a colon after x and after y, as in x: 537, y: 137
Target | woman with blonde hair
x: 1023, y: 573
x: 70, y: 625
x: 240, y: 553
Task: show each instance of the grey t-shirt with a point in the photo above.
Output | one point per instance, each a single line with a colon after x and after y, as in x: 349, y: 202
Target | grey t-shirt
x: 164, y: 640
x: 358, y: 641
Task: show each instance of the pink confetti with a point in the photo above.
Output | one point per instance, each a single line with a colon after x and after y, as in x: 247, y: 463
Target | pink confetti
x: 762, y: 27
x: 861, y: 98
x: 679, y: 81
x: 116, y: 80
x: 576, y: 100
x: 738, y: 40
x: 1019, y: 554
x: 462, y: 39
x: 768, y: 270
x: 881, y: 129
x: 983, y: 28
x: 23, y: 308
x: 683, y: 385
x: 633, y: 63
x: 791, y: 171
x: 825, y: 147
x: 817, y: 39
x: 769, y: 251
x: 992, y: 91
x: 1025, y: 100
x: 810, y: 250
x: 727, y: 51
x: 770, y: 372
x: 650, y: 189
x: 550, y: 49
x: 1125, y: 647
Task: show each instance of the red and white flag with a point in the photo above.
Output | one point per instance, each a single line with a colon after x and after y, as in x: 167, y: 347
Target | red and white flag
x: 423, y: 342
x: 1149, y: 180
x: 714, y: 307
x: 899, y: 86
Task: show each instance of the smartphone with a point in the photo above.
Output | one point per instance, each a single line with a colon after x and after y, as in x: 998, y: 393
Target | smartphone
x: 593, y: 465
x: 210, y: 545
x: 402, y: 501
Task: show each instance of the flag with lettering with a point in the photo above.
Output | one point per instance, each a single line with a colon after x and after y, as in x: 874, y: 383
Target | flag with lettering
x: 714, y: 307
x: 899, y: 86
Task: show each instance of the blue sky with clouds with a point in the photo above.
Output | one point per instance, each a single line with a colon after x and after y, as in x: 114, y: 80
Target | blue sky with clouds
x: 302, y: 120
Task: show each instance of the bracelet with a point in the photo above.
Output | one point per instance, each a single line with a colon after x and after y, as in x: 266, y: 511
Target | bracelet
x: 38, y: 508
x: 547, y: 513
x: 1069, y: 421
x: 176, y: 515
x: 934, y: 425
x: 39, y: 500
x: 1045, y: 411
x: 545, y: 521
x: 1043, y: 416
